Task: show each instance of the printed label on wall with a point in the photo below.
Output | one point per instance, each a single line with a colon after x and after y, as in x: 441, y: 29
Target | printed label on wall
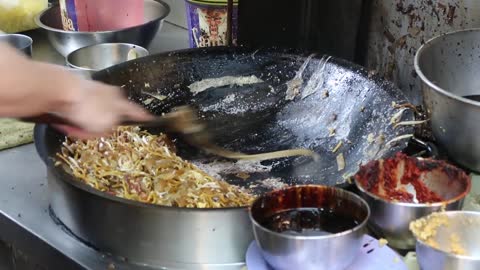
x: 208, y: 25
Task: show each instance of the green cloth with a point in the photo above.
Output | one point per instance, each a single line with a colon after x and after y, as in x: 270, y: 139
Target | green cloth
x: 14, y: 133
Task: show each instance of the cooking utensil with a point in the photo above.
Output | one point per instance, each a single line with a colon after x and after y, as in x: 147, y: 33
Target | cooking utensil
x: 462, y: 233
x: 20, y: 42
x: 319, y: 251
x: 66, y: 42
x: 183, y: 120
x: 100, y: 56
x: 252, y: 118
x: 390, y: 219
x: 446, y: 65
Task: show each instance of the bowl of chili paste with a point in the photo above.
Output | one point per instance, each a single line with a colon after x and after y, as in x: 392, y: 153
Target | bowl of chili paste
x: 401, y: 189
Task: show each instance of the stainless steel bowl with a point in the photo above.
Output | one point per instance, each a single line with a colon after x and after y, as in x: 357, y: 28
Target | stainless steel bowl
x: 22, y: 43
x: 101, y: 56
x: 391, y: 219
x: 66, y: 42
x: 448, y: 67
x: 320, y: 252
x: 465, y: 226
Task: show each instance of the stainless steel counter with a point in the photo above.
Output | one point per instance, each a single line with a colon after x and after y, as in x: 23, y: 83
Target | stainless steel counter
x: 25, y: 221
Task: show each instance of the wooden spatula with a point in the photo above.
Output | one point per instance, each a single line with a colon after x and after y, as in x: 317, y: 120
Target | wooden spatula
x: 183, y: 121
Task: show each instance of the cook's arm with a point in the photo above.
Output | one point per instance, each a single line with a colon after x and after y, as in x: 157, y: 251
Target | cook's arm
x: 29, y: 88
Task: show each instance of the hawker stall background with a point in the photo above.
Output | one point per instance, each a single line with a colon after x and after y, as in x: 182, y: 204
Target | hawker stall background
x: 287, y: 135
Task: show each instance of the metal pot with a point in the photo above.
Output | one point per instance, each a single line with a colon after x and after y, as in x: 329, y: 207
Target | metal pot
x: 260, y: 120
x: 399, y: 28
x: 192, y: 238
x: 448, y: 66
x: 66, y: 42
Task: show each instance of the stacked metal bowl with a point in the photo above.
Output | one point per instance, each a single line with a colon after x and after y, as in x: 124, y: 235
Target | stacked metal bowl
x: 111, y: 44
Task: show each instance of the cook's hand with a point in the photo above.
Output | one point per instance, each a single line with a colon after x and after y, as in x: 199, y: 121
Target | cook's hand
x: 97, y: 108
x: 29, y: 88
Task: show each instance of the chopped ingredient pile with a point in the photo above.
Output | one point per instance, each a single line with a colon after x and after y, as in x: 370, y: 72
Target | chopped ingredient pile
x: 139, y: 166
x: 426, y: 230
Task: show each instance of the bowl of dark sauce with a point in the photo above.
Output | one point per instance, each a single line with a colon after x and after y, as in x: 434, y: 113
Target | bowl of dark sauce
x: 309, y: 227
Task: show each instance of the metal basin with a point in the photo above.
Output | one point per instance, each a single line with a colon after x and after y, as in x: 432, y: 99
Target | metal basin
x: 66, y: 42
x: 391, y: 219
x: 100, y: 56
x: 461, y: 234
x: 332, y: 251
x: 174, y: 238
x: 448, y: 66
x: 22, y: 43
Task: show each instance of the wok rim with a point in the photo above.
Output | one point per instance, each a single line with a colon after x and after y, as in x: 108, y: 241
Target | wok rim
x: 65, y: 176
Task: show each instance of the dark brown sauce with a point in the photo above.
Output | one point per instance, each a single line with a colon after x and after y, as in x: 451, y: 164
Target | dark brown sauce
x: 473, y: 97
x: 309, y: 221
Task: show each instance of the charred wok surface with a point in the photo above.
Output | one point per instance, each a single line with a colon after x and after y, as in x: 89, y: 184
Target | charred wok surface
x: 338, y: 110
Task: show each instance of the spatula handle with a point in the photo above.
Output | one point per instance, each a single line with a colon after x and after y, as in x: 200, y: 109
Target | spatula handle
x: 48, y: 118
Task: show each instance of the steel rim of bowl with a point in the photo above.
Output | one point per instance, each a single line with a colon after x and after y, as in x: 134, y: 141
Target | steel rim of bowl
x: 133, y: 46
x: 424, y: 78
x: 449, y: 254
x: 38, y: 21
x: 19, y: 37
x: 335, y: 235
x: 419, y: 205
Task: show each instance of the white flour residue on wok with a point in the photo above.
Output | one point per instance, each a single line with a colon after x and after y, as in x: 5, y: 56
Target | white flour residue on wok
x: 317, y: 79
x: 200, y: 86
x: 225, y: 105
x: 315, y: 82
x: 294, y: 85
x: 216, y: 168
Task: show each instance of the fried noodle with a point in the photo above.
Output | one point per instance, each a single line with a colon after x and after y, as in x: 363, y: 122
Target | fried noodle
x: 136, y: 165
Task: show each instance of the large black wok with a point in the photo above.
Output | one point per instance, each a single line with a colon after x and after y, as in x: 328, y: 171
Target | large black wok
x: 252, y: 118
x: 257, y: 118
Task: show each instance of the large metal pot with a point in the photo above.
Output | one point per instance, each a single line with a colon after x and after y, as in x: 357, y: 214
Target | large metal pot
x: 259, y: 120
x: 448, y: 67
x: 399, y: 27
x: 192, y: 238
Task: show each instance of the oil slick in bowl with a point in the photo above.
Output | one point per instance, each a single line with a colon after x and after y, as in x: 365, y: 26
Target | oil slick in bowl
x: 309, y: 222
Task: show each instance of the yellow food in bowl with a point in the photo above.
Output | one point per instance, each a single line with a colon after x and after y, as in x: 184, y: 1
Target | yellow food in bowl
x: 18, y: 15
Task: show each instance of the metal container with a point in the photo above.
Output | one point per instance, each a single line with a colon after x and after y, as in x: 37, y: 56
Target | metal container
x: 391, y: 219
x: 465, y: 226
x: 101, y: 56
x: 66, y: 42
x: 398, y: 28
x: 447, y: 66
x: 333, y: 251
x: 207, y: 238
x: 22, y: 43
x: 210, y: 239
